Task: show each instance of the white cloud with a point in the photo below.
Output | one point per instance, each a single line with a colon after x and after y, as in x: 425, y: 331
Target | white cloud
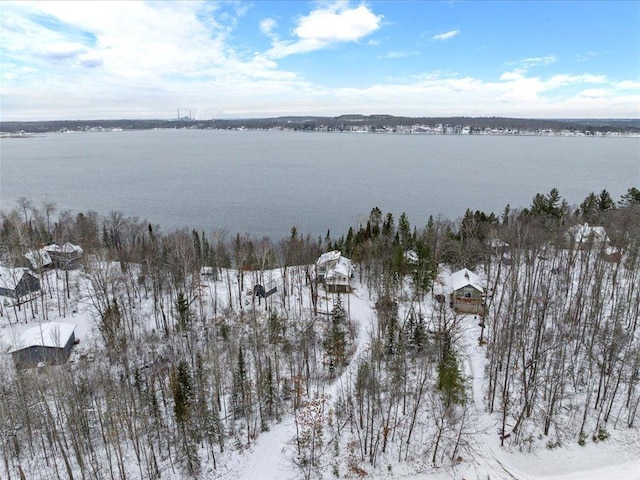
x: 62, y: 50
x: 267, y: 25
x: 327, y: 26
x: 398, y: 54
x: 536, y: 61
x: 139, y: 59
x: 446, y: 35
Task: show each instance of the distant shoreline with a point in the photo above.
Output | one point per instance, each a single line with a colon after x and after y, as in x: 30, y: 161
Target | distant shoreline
x: 350, y: 123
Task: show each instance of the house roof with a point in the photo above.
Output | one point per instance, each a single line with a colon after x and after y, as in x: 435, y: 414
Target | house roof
x: 328, y: 257
x: 497, y: 243
x: 52, y: 334
x: 342, y: 267
x: 38, y: 258
x: 463, y: 278
x: 584, y: 233
x: 66, y: 248
x: 10, y: 277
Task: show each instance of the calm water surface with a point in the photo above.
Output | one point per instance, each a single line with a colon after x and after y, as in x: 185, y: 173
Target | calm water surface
x: 263, y: 183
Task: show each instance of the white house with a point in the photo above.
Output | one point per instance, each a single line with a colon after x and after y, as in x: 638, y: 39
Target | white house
x: 585, y: 235
x: 326, y: 261
x: 335, y: 271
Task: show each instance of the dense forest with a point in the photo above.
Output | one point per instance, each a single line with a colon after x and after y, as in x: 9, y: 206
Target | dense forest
x: 187, y: 367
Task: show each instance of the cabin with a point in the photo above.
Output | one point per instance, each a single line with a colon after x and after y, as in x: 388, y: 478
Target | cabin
x: 335, y: 271
x: 66, y: 257
x: 468, y: 292
x: 17, y: 282
x: 46, y: 344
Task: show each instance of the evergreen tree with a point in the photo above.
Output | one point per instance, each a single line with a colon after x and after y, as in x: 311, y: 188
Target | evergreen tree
x: 451, y: 381
x: 335, y: 342
x: 182, y: 311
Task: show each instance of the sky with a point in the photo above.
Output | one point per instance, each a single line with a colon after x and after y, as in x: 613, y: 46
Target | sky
x: 129, y: 59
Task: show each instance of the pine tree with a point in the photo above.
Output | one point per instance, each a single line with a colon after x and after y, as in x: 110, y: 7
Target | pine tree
x: 182, y: 311
x: 335, y: 343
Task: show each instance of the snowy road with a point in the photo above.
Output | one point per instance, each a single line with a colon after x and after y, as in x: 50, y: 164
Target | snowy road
x: 569, y: 463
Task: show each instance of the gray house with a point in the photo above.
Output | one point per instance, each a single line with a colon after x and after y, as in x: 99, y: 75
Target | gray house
x: 17, y: 282
x: 45, y: 344
x: 66, y: 256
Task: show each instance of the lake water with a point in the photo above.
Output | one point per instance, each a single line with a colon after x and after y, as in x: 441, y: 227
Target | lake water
x: 263, y: 183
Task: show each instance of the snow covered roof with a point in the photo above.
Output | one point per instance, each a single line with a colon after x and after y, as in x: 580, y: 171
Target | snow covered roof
x: 463, y: 278
x: 66, y: 248
x: 328, y: 257
x: 38, y: 258
x: 497, y: 243
x: 342, y: 267
x: 10, y: 277
x: 52, y: 334
x: 584, y: 233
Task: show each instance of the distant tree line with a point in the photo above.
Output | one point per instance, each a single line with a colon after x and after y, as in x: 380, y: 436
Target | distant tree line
x: 344, y: 121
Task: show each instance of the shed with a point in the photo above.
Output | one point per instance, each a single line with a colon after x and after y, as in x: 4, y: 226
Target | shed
x: 48, y: 344
x: 468, y: 292
x: 17, y: 282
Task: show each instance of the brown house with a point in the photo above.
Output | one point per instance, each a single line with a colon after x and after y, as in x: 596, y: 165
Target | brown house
x: 468, y: 295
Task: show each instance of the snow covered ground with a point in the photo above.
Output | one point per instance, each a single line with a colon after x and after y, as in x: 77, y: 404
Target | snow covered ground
x: 270, y: 457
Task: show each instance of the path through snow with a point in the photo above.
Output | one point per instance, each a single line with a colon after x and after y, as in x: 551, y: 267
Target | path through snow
x: 270, y: 457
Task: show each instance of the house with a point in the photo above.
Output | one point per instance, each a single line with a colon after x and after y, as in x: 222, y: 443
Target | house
x: 66, y: 256
x: 499, y: 247
x: 468, y: 292
x: 326, y: 261
x: 17, y: 282
x: 45, y: 344
x: 337, y: 278
x: 39, y: 259
x: 335, y: 271
x: 584, y: 236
